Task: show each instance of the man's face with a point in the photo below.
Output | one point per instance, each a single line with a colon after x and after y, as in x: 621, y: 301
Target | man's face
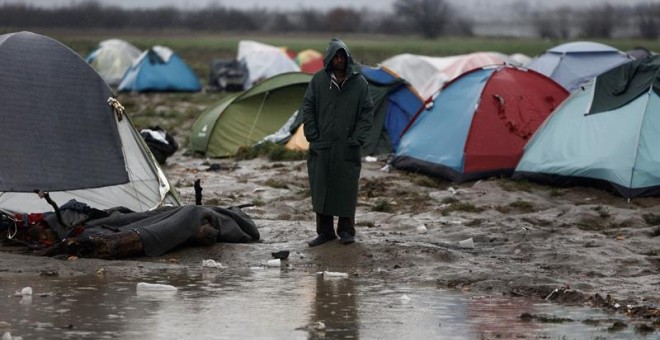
x: 339, y: 61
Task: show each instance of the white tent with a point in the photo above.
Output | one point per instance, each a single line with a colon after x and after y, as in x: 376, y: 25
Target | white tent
x: 428, y: 74
x: 112, y: 58
x: 264, y: 61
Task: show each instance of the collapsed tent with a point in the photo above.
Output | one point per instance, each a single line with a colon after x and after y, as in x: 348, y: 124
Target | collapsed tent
x: 112, y: 58
x: 245, y: 118
x: 121, y: 233
x: 264, y: 61
x: 159, y: 69
x: 428, y: 74
x: 575, y: 63
x: 604, y: 135
x: 64, y: 134
x: 477, y: 124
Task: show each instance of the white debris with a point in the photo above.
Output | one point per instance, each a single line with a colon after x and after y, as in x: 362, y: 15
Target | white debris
x: 155, y: 287
x: 319, y: 326
x: 274, y: 263
x: 332, y: 274
x: 405, y: 299
x: 422, y: 229
x: 212, y: 264
x: 371, y: 159
x: 467, y: 243
x: 26, y: 291
x: 387, y: 168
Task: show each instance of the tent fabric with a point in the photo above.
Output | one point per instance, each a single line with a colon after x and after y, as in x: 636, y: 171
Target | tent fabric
x: 61, y: 135
x: 428, y: 74
x: 263, y: 61
x: 245, y: 118
x: 164, y: 229
x: 396, y: 102
x: 159, y: 69
x: 112, y: 58
x: 615, y: 149
x: 310, y: 61
x: 575, y: 63
x: 623, y: 84
x: 477, y: 125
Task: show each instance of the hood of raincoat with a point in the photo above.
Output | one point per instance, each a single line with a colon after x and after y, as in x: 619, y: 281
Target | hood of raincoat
x: 333, y: 46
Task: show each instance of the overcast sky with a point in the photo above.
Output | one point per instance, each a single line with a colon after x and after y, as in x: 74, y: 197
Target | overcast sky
x: 374, y: 5
x: 381, y: 5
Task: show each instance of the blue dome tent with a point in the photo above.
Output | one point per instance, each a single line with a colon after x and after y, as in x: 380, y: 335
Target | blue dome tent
x: 159, y: 69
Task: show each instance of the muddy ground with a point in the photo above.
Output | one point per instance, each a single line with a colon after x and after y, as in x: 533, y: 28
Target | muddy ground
x: 568, y: 245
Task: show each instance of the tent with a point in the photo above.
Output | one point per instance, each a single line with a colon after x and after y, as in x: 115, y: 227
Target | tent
x: 112, y: 58
x: 477, y: 125
x: 62, y: 136
x: 264, y: 61
x: 575, y: 63
x: 395, y: 103
x: 310, y: 61
x: 245, y: 118
x: 607, y: 134
x: 159, y: 69
x: 428, y: 74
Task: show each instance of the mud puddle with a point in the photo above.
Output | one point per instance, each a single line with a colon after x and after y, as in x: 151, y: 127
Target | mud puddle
x: 274, y: 303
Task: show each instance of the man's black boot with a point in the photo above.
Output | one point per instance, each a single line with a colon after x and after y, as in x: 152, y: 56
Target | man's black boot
x: 322, y: 238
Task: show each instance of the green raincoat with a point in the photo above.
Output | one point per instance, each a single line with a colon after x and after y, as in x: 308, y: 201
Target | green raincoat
x: 336, y: 121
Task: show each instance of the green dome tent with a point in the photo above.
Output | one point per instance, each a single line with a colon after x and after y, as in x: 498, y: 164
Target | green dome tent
x: 245, y: 118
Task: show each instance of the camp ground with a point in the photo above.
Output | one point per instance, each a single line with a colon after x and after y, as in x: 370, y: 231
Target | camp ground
x: 605, y: 134
x: 245, y: 118
x: 112, y: 58
x: 81, y: 181
x: 575, y: 63
x: 477, y: 125
x: 159, y: 69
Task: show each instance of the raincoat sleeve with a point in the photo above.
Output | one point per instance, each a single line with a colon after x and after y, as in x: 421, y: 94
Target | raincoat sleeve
x: 310, y: 128
x: 364, y: 120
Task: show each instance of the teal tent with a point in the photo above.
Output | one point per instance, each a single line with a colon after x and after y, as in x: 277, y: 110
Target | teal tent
x: 159, y: 69
x: 606, y: 134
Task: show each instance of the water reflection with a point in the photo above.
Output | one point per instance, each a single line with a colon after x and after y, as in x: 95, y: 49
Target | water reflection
x: 276, y: 304
x: 334, y: 311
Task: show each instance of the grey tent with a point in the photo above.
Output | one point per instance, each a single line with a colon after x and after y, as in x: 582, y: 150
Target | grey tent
x: 62, y: 135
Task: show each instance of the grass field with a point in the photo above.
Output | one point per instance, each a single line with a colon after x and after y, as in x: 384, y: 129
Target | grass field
x: 198, y: 49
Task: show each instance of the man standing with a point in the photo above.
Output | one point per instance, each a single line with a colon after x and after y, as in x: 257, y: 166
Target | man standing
x: 337, y: 116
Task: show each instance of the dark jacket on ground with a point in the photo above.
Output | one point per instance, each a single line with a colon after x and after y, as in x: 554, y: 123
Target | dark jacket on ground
x: 336, y: 121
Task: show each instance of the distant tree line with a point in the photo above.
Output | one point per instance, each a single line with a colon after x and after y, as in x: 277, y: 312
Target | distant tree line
x: 601, y: 21
x: 429, y: 18
x: 431, y: 22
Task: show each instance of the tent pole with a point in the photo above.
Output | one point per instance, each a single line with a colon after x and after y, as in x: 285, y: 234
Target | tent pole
x: 261, y: 107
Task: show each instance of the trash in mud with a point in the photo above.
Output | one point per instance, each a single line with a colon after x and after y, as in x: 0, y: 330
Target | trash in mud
x: 155, y: 287
x: 274, y: 263
x: 467, y: 243
x: 282, y: 254
x: 212, y: 264
x: 332, y: 274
